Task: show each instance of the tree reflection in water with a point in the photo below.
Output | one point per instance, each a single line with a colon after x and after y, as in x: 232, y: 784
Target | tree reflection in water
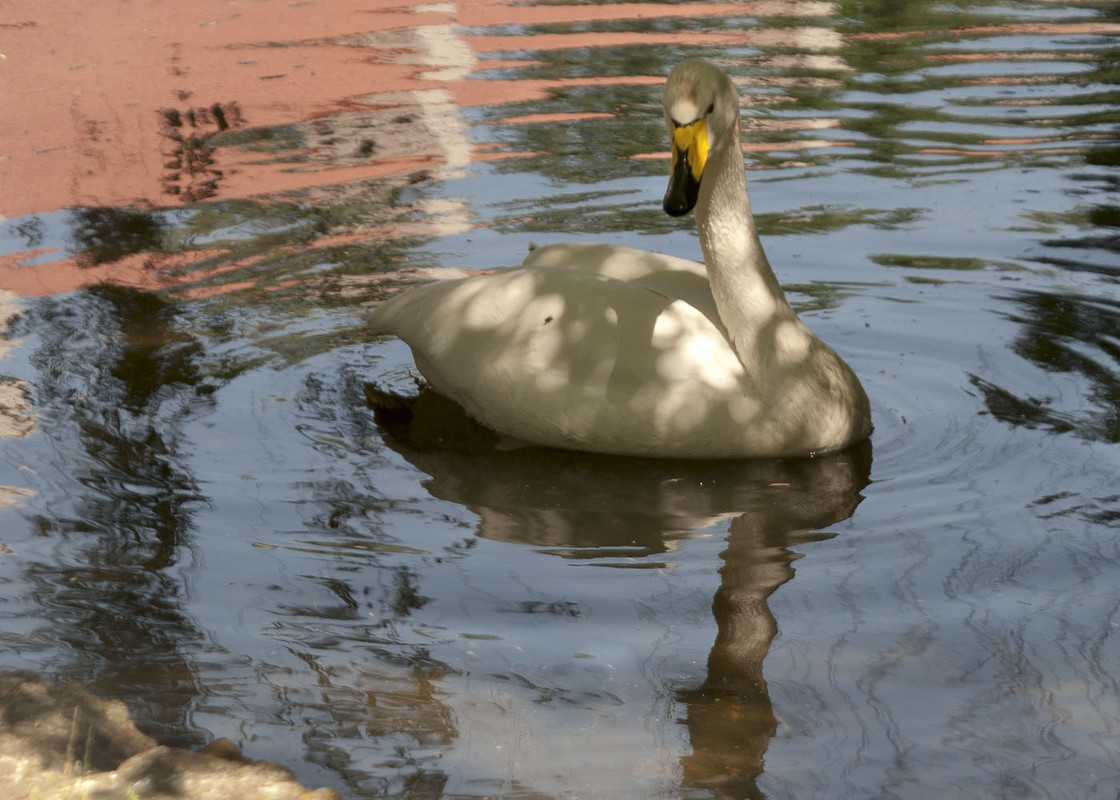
x: 579, y: 505
x: 104, y: 235
x: 116, y: 381
x: 1072, y: 334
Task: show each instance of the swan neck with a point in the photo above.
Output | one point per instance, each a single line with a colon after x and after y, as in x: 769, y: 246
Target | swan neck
x: 746, y: 291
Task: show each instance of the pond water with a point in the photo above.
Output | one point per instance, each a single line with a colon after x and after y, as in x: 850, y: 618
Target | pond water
x: 199, y: 514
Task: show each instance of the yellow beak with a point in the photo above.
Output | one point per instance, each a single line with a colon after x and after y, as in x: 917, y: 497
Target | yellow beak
x: 690, y: 154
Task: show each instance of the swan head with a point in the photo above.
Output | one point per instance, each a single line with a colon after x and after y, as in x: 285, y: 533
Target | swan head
x: 701, y: 105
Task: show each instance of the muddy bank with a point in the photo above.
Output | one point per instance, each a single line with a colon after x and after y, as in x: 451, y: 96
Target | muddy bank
x: 60, y: 741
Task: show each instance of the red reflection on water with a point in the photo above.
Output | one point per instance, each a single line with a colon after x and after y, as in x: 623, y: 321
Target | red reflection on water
x: 155, y: 104
x: 128, y: 104
x: 89, y: 90
x: 145, y: 271
x: 1020, y: 29
x: 159, y: 104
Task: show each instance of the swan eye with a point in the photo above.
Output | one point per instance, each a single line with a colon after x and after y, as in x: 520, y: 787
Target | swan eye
x: 711, y: 108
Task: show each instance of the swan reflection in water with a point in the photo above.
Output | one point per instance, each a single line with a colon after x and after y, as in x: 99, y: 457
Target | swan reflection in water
x: 581, y: 505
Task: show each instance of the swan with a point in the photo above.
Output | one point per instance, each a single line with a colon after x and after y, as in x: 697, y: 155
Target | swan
x: 611, y: 349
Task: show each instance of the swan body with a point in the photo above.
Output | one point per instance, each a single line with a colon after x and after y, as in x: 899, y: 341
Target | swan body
x: 617, y: 350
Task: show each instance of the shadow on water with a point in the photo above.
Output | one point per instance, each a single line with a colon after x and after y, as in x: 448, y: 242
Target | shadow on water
x: 583, y: 506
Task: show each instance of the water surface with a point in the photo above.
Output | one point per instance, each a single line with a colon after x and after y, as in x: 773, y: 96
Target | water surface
x: 200, y: 515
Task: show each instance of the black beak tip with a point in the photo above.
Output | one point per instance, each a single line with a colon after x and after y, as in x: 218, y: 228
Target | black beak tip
x: 675, y: 205
x: 681, y: 196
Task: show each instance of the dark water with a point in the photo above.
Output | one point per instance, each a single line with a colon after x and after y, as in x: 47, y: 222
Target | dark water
x: 204, y: 519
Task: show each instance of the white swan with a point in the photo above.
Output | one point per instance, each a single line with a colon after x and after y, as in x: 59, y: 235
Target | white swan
x: 616, y: 350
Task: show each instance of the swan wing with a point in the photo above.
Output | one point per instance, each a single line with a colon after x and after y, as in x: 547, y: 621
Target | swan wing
x: 609, y: 260
x: 670, y: 276
x: 571, y: 358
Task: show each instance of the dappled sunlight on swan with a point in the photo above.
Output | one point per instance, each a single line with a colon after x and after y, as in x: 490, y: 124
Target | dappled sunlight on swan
x: 615, y: 350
